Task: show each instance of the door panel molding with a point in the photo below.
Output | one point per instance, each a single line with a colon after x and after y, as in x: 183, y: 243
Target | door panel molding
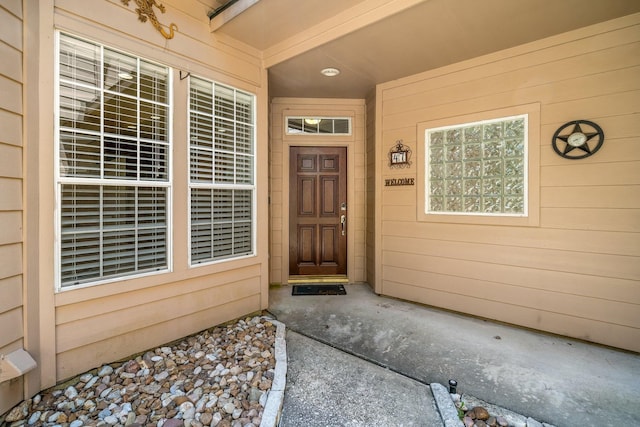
x: 318, y: 190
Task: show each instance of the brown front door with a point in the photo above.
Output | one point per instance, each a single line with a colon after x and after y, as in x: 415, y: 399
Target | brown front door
x: 318, y: 211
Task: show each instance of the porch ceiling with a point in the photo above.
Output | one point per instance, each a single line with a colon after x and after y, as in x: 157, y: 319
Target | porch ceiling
x: 375, y: 41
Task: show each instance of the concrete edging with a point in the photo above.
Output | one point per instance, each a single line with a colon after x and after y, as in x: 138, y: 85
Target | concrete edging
x: 448, y: 411
x: 275, y: 396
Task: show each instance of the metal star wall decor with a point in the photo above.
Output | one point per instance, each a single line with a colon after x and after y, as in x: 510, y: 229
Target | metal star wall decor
x: 145, y: 11
x: 577, y: 139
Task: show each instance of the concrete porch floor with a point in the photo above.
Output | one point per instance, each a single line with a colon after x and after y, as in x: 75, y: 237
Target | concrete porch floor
x: 556, y: 380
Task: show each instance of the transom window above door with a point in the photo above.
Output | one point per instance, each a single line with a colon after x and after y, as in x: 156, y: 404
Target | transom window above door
x: 312, y: 125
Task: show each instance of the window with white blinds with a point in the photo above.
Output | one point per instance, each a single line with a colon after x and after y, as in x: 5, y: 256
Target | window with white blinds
x: 113, y: 174
x: 222, y: 164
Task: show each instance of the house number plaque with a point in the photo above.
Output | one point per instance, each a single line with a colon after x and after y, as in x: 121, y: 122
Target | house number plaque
x: 400, y: 155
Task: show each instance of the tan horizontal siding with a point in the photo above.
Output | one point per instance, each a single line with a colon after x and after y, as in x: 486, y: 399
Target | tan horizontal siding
x: 11, y: 128
x: 11, y: 28
x: 578, y: 271
x: 624, y: 220
x: 10, y: 161
x: 600, y: 38
x: 10, y: 260
x: 12, y: 329
x: 11, y: 64
x: 11, y: 200
x: 11, y: 190
x: 612, y: 243
x: 11, y: 229
x: 558, y: 323
x: 10, y: 295
x: 614, y: 312
x: 70, y: 309
x: 118, y: 347
x: 603, y: 265
x: 577, y: 284
x: 605, y: 196
x: 143, y: 314
x: 11, y: 99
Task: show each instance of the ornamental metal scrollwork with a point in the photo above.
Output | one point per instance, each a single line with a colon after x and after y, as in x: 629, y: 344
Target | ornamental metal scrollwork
x: 400, y: 155
x: 145, y: 11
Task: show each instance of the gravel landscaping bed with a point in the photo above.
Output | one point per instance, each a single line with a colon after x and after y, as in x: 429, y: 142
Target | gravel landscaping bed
x: 219, y: 377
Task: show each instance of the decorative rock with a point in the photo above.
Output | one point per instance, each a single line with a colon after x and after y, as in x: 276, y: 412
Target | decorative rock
x: 161, y: 376
x: 215, y: 419
x: 206, y: 418
x: 111, y: 420
x: 479, y: 413
x: 229, y: 408
x: 131, y: 367
x: 71, y: 392
x: 105, y: 370
x: 502, y: 422
x: 53, y: 418
x: 33, y: 418
x: 20, y: 412
x: 218, y: 378
x: 173, y: 422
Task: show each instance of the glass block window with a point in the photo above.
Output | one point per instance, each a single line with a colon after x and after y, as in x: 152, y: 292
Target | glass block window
x: 318, y: 126
x: 222, y: 171
x: 113, y: 179
x: 477, y: 168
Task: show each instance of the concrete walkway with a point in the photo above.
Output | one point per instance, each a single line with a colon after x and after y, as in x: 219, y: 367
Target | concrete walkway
x: 329, y: 388
x: 552, y: 379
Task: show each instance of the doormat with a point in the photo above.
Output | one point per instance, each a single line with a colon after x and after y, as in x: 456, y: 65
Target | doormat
x: 318, y: 290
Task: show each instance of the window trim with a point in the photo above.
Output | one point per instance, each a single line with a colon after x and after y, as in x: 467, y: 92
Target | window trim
x: 102, y: 182
x: 532, y: 166
x: 197, y: 185
x: 320, y: 117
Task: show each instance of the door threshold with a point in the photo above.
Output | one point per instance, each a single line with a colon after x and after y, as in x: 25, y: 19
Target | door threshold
x: 340, y: 278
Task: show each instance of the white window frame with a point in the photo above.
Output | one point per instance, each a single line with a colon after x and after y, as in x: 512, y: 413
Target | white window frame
x: 105, y: 183
x: 329, y: 134
x: 213, y: 185
x: 427, y: 152
x: 532, y: 219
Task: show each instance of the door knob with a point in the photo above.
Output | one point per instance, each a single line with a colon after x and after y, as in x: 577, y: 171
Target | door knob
x: 343, y: 222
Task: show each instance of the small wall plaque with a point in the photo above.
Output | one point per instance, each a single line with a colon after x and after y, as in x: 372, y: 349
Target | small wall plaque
x: 400, y: 155
x: 392, y: 182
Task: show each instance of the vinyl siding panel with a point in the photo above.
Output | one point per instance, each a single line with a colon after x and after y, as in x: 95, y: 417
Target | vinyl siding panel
x: 11, y: 203
x: 575, y: 273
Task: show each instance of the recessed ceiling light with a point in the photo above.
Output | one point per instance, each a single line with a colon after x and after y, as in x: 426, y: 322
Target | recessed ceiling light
x: 330, y: 72
x: 125, y: 76
x: 154, y: 117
